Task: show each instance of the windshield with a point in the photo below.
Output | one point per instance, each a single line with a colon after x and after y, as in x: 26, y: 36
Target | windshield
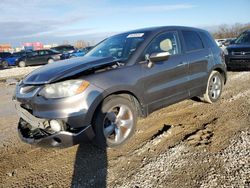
x: 120, y: 47
x: 244, y: 38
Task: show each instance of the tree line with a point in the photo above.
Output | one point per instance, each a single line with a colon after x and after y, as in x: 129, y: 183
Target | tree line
x: 221, y: 32
x: 230, y: 31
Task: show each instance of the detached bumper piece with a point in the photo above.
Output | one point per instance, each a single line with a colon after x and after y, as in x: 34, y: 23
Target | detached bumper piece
x: 60, y: 139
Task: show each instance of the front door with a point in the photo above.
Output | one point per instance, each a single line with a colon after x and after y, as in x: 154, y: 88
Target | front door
x: 42, y: 57
x: 165, y: 82
x: 31, y: 58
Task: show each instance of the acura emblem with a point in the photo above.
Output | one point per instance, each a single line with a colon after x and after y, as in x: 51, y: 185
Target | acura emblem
x: 242, y: 53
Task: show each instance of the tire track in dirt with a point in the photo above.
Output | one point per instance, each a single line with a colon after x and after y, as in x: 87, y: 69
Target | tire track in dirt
x: 160, y: 139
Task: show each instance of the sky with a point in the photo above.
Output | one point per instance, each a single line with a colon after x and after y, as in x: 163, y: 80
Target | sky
x: 57, y: 21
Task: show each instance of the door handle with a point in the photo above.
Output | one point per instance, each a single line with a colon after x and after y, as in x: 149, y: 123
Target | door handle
x: 208, y: 56
x: 182, y: 64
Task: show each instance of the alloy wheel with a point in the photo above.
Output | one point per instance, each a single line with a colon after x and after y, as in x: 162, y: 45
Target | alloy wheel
x: 215, y: 87
x: 118, y: 124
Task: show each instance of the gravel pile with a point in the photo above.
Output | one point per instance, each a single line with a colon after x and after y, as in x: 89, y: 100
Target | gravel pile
x: 152, y: 173
x: 16, y: 72
x: 235, y: 159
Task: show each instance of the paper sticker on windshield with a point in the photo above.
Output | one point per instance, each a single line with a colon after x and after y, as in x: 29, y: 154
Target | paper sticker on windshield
x: 134, y: 35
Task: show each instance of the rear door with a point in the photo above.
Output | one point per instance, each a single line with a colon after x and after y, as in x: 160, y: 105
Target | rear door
x: 31, y: 58
x: 198, y: 56
x: 165, y: 82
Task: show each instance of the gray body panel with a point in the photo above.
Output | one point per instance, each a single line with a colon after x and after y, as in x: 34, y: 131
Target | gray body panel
x: 180, y: 77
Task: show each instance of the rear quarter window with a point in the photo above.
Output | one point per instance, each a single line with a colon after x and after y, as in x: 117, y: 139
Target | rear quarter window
x: 192, y: 40
x: 208, y: 40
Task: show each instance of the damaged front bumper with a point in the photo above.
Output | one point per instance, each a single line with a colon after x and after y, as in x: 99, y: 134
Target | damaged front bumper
x: 61, y: 122
x: 38, y: 131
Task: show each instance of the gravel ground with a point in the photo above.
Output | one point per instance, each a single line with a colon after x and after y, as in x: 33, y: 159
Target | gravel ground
x: 236, y: 163
x: 235, y: 159
x: 16, y: 72
x: 188, y: 144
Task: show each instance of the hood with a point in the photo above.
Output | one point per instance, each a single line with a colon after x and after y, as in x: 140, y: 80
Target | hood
x: 66, y: 68
x: 239, y: 48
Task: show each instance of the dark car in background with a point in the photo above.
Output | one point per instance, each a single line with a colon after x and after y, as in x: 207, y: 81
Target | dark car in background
x: 64, y: 49
x: 4, y: 55
x: 76, y: 53
x: 229, y: 41
x: 81, y: 52
x: 100, y: 95
x: 39, y: 57
x: 13, y: 59
x: 237, y: 54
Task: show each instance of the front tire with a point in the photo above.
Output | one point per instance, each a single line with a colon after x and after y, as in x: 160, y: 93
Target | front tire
x: 50, y: 60
x: 22, y: 64
x: 214, y: 87
x: 114, y: 122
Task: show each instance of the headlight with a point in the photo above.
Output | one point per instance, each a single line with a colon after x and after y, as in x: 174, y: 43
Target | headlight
x: 64, y: 89
x: 225, y: 51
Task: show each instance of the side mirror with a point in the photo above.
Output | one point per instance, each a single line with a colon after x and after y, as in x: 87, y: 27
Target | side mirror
x: 156, y: 57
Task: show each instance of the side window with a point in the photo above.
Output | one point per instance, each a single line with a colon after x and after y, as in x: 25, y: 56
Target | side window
x: 206, y: 37
x: 45, y: 52
x: 6, y: 55
x: 33, y: 54
x: 41, y: 53
x: 49, y: 52
x: 192, y: 40
x: 59, y: 49
x: 166, y: 42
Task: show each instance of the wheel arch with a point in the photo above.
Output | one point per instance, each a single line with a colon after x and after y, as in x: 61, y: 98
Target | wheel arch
x: 221, y: 69
x: 50, y: 58
x: 141, y: 112
x: 222, y: 72
x: 133, y: 98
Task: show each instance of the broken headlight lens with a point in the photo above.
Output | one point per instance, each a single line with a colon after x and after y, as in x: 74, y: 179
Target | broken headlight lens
x: 64, y: 89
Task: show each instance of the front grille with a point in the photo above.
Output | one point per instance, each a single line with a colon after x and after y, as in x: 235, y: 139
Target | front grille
x: 241, y: 53
x: 240, y: 60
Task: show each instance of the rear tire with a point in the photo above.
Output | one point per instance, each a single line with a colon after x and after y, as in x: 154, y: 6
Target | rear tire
x: 5, y: 64
x: 214, y: 87
x: 114, y: 122
x: 50, y: 61
x: 21, y: 64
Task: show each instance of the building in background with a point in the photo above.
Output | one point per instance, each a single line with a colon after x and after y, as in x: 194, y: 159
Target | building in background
x: 33, y: 46
x: 48, y: 46
x: 5, y: 47
x: 18, y: 49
